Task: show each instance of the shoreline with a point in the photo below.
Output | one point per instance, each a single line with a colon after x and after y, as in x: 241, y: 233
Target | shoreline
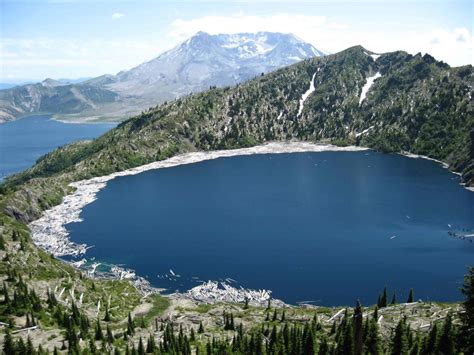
x: 442, y: 163
x: 49, y: 232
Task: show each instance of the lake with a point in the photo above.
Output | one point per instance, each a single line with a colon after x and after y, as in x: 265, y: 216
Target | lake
x: 327, y: 227
x: 23, y: 141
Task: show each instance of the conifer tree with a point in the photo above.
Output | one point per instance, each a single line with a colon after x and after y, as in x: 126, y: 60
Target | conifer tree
x: 107, y: 315
x: 98, y: 331
x: 20, y: 347
x: 373, y: 341
x: 150, y: 346
x: 383, y: 299
x: 467, y: 317
x: 357, y: 320
x: 201, y: 328
x: 275, y: 316
x: 446, y: 343
x: 309, y: 343
x: 376, y: 313
x: 432, y: 341
x: 400, y: 339
x: 29, y: 346
x: 130, y: 325
x: 141, y: 348
x: 411, y: 297
x: 347, y: 344
x: 110, y: 335
x: 2, y: 242
x: 8, y: 345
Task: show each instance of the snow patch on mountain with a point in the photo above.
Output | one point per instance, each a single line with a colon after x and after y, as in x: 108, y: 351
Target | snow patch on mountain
x: 305, y: 95
x: 366, y: 87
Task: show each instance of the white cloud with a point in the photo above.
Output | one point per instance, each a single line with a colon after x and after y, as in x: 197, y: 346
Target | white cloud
x: 117, y: 15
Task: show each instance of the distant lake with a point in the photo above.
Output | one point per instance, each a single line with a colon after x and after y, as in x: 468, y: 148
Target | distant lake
x: 326, y: 227
x: 23, y: 141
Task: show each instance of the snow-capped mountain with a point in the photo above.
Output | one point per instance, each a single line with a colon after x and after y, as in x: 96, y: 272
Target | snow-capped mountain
x: 218, y: 60
x: 201, y: 61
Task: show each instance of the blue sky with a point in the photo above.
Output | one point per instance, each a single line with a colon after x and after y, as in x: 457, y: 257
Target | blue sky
x: 72, y: 39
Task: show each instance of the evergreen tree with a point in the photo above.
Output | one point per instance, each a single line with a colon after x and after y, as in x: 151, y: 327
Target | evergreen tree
x: 8, y: 345
x: 394, y: 299
x: 411, y: 297
x: 383, y: 299
x: 2, y: 242
x: 400, y: 339
x: 466, y: 341
x: 347, y: 344
x: 29, y: 346
x: 130, y: 325
x: 98, y: 331
x: 141, y: 348
x: 446, y: 343
x: 201, y: 328
x: 416, y: 346
x: 433, y: 337
x: 150, y: 346
x: 357, y: 321
x: 20, y: 347
x: 107, y: 315
x: 309, y: 344
x: 110, y: 335
x: 376, y: 313
x: 275, y: 316
x: 373, y: 341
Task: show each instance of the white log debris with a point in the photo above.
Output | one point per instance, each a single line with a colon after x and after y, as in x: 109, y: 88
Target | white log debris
x: 212, y: 292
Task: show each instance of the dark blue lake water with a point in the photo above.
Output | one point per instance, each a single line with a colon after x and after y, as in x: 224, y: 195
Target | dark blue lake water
x: 23, y: 141
x: 327, y: 227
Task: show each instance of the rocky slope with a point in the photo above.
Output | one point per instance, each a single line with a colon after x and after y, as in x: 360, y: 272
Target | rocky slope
x: 52, y: 96
x: 200, y: 62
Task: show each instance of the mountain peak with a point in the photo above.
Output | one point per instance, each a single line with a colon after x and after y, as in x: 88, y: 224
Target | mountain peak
x: 205, y: 60
x: 51, y: 82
